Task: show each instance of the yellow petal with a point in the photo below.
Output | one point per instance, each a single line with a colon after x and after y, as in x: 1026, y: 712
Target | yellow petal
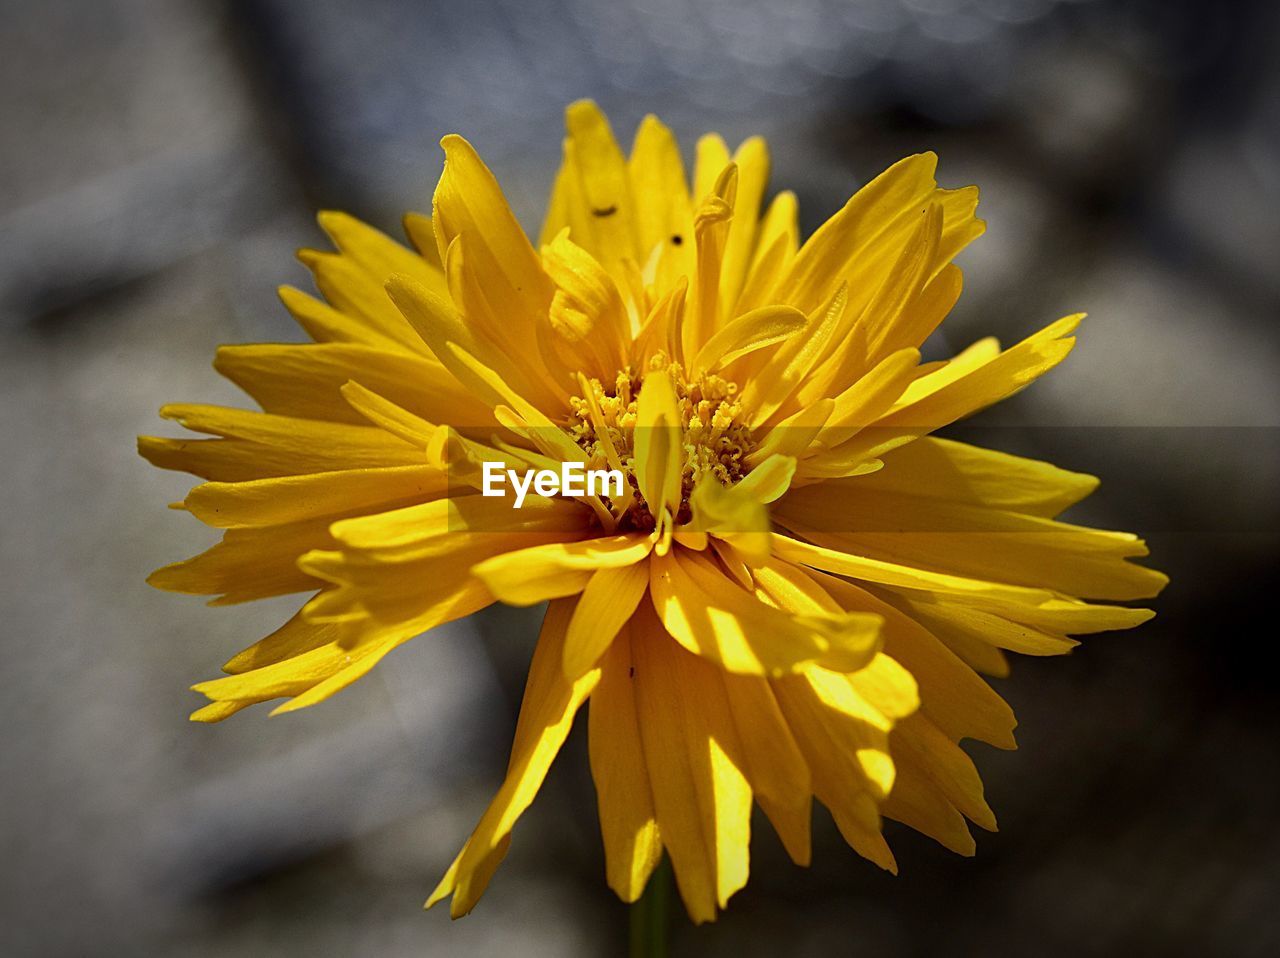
x: 587, y: 313
x: 490, y: 373
x: 766, y: 394
x: 469, y: 200
x: 1067, y: 616
x: 659, y: 452
x: 546, y: 715
x: 385, y: 414
x: 954, y: 471
x: 301, y: 673
x: 378, y: 254
x: 422, y: 235
x: 975, y: 542
x: 265, y: 502
x: 734, y: 515
x: 951, y: 693
x: 750, y: 331
x: 605, y: 186
x: 922, y: 314
x: 824, y: 259
x: 291, y: 639
x: 769, y: 480
x: 776, y: 244
x: 234, y: 460
x: 536, y: 574
x: 771, y: 761
x: 325, y: 324
x: 664, y: 215
x: 830, y: 743
x: 662, y: 329
x: 860, y: 244
x: 711, y: 156
x: 917, y: 803
x: 628, y: 822
x: 892, y: 574
x: 304, y: 381
x: 794, y: 436
x: 702, y: 799
x: 713, y: 617
x: 711, y: 223
x: 305, y: 441
x: 923, y: 745
x: 752, y: 160
x: 869, y: 398
x: 975, y: 389
x: 607, y: 601
x: 249, y: 564
x: 404, y: 533
x: 875, y: 328
x: 371, y: 590
x: 947, y: 619
x: 495, y: 330
x: 359, y: 296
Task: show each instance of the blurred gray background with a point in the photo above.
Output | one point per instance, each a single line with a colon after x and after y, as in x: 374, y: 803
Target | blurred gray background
x: 161, y: 161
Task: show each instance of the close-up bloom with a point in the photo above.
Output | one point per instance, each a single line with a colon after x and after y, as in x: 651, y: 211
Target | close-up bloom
x: 800, y: 590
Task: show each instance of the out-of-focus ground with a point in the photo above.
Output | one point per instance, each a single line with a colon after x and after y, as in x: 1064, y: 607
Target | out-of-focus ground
x: 159, y: 164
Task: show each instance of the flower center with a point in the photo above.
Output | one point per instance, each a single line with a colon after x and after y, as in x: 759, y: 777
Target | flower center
x: 714, y: 438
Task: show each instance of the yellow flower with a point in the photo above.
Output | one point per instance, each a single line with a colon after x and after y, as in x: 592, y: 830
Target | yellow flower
x: 798, y: 592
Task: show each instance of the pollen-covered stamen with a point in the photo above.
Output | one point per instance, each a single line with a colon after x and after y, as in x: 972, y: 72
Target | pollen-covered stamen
x: 714, y: 438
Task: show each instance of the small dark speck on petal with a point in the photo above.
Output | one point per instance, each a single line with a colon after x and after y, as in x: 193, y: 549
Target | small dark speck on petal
x: 607, y: 211
x: 631, y: 672
x: 677, y: 239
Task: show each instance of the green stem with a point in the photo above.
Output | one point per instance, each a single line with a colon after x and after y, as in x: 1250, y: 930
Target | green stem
x: 651, y: 914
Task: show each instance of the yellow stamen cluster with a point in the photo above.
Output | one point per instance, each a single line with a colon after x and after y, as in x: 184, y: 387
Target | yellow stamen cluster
x: 714, y: 438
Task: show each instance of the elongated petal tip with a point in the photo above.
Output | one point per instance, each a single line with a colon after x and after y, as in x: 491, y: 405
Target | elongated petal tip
x: 407, y: 294
x: 309, y: 257
x: 328, y: 219
x: 452, y: 142
x: 583, y: 110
